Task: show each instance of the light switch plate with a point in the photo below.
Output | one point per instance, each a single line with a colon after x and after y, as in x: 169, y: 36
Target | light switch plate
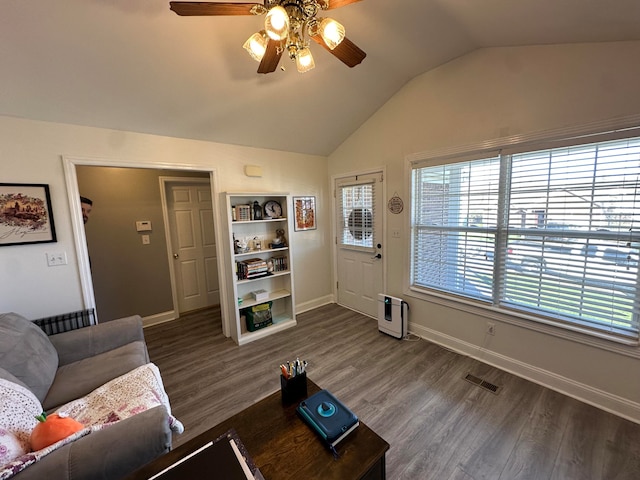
x: 56, y: 259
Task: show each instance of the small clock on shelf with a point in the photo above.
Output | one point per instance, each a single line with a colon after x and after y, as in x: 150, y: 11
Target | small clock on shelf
x: 272, y: 209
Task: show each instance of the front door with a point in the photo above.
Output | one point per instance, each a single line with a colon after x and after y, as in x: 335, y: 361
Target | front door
x: 359, y: 242
x: 190, y: 213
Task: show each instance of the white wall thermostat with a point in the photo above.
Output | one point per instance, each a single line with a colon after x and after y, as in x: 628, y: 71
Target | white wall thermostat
x: 143, y: 225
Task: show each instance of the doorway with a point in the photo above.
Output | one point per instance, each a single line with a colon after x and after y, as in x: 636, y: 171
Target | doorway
x: 359, y: 241
x: 85, y: 266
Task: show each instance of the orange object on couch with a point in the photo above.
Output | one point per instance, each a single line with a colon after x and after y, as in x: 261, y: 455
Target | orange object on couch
x: 51, y: 429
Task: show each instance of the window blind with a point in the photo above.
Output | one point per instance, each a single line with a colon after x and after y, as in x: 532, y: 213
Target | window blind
x: 552, y: 233
x: 572, y: 252
x: 455, y: 212
x: 357, y: 214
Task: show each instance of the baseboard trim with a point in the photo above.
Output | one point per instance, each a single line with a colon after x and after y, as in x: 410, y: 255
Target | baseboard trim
x: 158, y: 318
x: 315, y: 303
x: 598, y: 398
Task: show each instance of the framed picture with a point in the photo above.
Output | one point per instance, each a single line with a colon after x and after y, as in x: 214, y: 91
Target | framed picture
x: 25, y: 214
x: 305, y: 211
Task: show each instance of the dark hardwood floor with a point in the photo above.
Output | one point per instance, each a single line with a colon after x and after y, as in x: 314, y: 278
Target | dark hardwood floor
x: 412, y: 393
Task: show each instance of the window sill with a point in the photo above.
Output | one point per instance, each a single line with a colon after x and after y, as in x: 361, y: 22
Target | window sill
x: 602, y: 340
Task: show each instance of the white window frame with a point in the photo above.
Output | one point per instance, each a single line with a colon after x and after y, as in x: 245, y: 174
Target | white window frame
x: 615, y: 129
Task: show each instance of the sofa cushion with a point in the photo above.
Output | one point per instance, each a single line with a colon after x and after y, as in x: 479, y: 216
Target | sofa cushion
x: 27, y: 353
x: 79, y: 378
x: 121, y: 398
x: 4, y: 375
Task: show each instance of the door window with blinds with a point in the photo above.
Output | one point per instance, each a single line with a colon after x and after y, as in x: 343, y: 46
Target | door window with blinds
x: 550, y: 233
x: 356, y: 208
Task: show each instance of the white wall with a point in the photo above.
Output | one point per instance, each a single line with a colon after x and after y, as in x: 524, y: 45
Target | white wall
x: 31, y: 152
x: 486, y: 95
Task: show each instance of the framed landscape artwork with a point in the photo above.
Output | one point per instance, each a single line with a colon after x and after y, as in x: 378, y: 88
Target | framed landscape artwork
x: 25, y: 214
x: 305, y: 213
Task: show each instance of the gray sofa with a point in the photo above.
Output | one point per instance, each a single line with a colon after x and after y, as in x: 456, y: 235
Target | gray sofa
x: 67, y: 366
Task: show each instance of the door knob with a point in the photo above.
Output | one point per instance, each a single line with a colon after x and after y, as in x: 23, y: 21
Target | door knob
x: 175, y: 255
x: 377, y: 256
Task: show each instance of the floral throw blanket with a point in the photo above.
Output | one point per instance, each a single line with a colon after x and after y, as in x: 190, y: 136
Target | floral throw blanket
x: 121, y: 398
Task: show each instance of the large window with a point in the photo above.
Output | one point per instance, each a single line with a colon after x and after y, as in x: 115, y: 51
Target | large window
x: 553, y: 234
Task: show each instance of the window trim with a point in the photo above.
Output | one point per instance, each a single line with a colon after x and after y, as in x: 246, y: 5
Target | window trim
x: 617, y: 128
x: 612, y: 129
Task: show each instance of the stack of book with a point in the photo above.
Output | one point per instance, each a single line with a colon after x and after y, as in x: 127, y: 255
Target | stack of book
x: 251, y: 268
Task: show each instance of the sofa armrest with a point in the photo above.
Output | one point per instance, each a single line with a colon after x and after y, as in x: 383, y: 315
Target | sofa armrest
x: 108, y: 454
x: 89, y: 341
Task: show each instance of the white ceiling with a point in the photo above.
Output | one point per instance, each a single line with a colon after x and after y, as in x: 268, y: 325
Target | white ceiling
x: 135, y: 65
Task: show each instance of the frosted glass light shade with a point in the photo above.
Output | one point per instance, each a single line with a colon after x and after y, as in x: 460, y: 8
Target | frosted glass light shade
x: 256, y: 45
x: 276, y: 23
x: 304, y: 60
x: 331, y: 32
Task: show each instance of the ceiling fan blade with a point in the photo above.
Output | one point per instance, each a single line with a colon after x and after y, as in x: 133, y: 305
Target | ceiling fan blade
x: 347, y: 51
x: 339, y: 3
x: 212, y: 8
x: 271, y: 57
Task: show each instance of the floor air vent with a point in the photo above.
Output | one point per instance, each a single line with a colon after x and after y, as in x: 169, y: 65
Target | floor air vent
x: 482, y: 383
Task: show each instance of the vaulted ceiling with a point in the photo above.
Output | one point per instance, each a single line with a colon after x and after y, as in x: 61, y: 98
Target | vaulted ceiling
x: 135, y: 65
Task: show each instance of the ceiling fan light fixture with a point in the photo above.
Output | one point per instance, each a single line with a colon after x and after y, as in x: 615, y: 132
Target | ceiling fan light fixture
x: 304, y: 60
x: 289, y: 26
x: 276, y: 23
x: 256, y: 45
x: 332, y: 32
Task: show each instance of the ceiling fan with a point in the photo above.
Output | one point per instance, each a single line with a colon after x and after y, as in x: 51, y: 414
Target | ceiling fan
x: 289, y: 24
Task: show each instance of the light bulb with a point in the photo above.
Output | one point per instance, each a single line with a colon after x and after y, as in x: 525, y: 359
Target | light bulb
x: 256, y: 45
x: 304, y: 60
x: 276, y: 23
x: 331, y: 32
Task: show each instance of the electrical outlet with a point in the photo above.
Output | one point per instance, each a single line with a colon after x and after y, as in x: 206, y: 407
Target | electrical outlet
x: 56, y: 259
x: 491, y: 328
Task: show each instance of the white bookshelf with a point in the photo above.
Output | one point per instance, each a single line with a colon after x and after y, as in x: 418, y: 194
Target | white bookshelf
x: 277, y: 283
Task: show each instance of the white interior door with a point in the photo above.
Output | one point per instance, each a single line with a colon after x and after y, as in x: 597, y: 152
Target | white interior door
x: 190, y: 212
x: 360, y: 269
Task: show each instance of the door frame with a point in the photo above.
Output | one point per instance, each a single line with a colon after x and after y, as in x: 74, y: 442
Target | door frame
x: 69, y: 164
x: 334, y: 222
x: 165, y: 182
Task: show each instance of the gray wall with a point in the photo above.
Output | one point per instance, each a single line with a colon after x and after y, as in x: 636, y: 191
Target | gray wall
x: 128, y: 277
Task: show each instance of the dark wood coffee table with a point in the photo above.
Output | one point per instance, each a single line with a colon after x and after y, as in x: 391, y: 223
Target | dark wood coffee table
x: 284, y: 448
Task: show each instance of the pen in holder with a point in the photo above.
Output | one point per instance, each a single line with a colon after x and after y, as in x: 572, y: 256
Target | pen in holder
x: 293, y: 388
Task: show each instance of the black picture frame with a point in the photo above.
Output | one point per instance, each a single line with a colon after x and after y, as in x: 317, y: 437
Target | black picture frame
x: 26, y: 216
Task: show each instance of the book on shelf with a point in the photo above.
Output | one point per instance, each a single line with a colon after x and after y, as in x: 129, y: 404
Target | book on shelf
x: 279, y: 263
x: 328, y: 417
x: 241, y: 213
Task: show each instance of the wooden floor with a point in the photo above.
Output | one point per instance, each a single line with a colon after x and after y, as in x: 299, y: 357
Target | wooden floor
x: 412, y: 393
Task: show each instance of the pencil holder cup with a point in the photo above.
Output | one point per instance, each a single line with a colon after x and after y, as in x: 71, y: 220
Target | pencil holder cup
x: 293, y: 388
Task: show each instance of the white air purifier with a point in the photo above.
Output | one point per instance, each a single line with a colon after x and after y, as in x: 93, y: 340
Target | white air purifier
x: 393, y: 315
